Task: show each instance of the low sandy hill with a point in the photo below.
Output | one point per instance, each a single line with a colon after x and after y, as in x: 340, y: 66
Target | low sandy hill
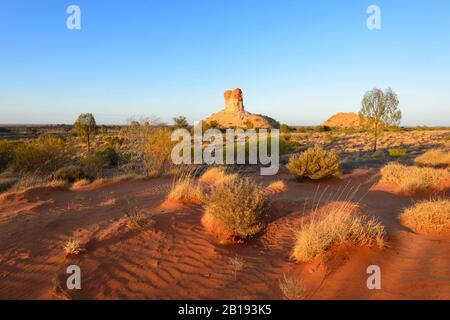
x: 343, y: 120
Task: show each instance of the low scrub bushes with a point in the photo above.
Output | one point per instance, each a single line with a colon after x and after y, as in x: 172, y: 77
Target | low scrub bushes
x: 43, y: 155
x: 314, y: 163
x: 427, y: 216
x: 336, y: 225
x: 236, y: 209
x: 397, y: 152
x: 411, y: 179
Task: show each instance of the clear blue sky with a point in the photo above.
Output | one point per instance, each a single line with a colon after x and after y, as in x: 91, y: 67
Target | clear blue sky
x: 297, y: 61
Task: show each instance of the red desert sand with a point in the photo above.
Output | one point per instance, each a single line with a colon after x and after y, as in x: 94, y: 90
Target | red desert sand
x: 170, y: 255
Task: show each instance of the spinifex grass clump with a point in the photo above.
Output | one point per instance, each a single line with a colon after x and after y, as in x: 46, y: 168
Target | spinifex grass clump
x: 428, y: 216
x: 434, y: 158
x: 314, y: 163
x: 335, y: 225
x: 411, y: 179
x: 236, y: 209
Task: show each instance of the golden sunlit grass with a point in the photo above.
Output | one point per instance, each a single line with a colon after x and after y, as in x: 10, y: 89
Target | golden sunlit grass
x: 434, y: 158
x: 80, y: 183
x: 410, y: 178
x: 236, y: 209
x: 427, y: 216
x: 276, y: 187
x: 216, y: 175
x: 337, y: 225
x: 74, y: 247
x: 185, y: 189
x: 292, y: 288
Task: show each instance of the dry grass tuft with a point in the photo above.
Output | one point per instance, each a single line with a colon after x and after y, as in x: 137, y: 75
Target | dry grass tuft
x: 427, y: 216
x: 237, y: 264
x: 80, y: 183
x: 185, y: 189
x: 434, y: 158
x: 411, y: 179
x: 216, y: 175
x: 74, y: 247
x: 236, y: 209
x: 292, y: 288
x: 341, y: 224
x: 276, y: 187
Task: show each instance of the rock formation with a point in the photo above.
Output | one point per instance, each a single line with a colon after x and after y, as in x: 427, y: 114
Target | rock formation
x: 343, y: 120
x: 234, y: 115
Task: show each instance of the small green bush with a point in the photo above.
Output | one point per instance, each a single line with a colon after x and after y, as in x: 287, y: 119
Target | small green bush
x: 6, y: 153
x: 397, y: 152
x: 314, y: 163
x: 94, y: 164
x: 157, y: 152
x: 43, y: 155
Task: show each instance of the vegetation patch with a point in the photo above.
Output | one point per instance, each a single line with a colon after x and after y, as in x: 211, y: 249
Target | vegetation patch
x: 314, y: 163
x: 336, y: 225
x: 427, y: 216
x: 236, y: 209
x: 411, y: 179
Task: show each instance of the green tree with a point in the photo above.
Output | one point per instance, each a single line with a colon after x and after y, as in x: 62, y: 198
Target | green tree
x: 379, y: 110
x: 86, y: 128
x: 180, y: 122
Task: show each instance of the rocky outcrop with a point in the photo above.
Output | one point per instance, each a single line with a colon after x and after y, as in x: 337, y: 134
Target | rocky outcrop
x: 234, y: 116
x: 343, y: 120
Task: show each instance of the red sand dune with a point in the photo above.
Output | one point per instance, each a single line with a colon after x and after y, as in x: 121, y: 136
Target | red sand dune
x: 174, y: 258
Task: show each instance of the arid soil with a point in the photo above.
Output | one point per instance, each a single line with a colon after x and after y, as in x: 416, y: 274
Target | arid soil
x: 172, y: 256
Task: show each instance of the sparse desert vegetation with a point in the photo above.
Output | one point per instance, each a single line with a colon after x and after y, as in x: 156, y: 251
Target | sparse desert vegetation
x: 292, y: 288
x: 434, y: 158
x: 74, y: 247
x: 428, y: 216
x: 411, y: 178
x: 314, y: 163
x: 337, y: 224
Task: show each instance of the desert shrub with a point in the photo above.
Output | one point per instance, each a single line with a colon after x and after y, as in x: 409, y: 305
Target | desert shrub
x: 74, y: 247
x: 185, y: 189
x: 322, y: 129
x: 379, y: 154
x: 284, y: 128
x: 157, y: 152
x: 110, y: 156
x: 69, y: 173
x: 93, y: 165
x: 425, y: 216
x: 216, y: 175
x: 433, y: 158
x: 411, y: 178
x: 236, y: 209
x: 339, y: 224
x: 6, y: 153
x: 7, y: 183
x: 397, y: 152
x: 43, y: 155
x: 314, y: 163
